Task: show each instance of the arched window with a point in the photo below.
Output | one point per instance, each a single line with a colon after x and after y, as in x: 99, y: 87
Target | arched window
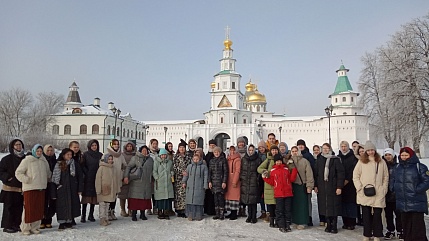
x: 67, y: 130
x: 344, y: 99
x: 95, y: 129
x: 132, y: 135
x: 83, y: 130
x: 123, y: 132
x: 128, y: 133
x: 118, y: 131
x: 140, y: 135
x: 55, y: 130
x: 108, y: 130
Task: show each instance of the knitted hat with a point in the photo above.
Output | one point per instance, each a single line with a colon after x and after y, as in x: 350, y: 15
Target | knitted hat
x: 262, y: 144
x: 301, y: 142
x: 278, y: 157
x: 182, y: 143
x: 162, y: 151
x: 407, y: 150
x: 212, y: 142
x: 369, y: 146
x: 241, y: 139
x: 389, y: 151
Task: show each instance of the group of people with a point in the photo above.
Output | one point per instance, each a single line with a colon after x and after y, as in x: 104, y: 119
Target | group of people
x: 356, y: 184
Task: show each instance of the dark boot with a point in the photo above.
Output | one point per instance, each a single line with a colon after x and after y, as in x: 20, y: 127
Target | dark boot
x: 216, y: 216
x: 272, y: 225
x: 134, y: 215
x: 253, y: 214
x: 221, y: 213
x: 166, y: 215
x: 310, y: 221
x: 334, y: 228
x: 288, y: 229
x: 142, y: 215
x: 83, y: 217
x: 233, y: 215
x: 328, y: 228
x: 91, y: 213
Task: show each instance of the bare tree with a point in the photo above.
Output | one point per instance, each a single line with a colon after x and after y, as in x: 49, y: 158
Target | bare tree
x: 14, y: 109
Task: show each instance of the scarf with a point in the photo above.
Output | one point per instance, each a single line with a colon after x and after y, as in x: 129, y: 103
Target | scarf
x: 113, y: 152
x: 19, y: 153
x: 242, y: 151
x: 326, y: 172
x: 56, y: 176
x: 345, y: 153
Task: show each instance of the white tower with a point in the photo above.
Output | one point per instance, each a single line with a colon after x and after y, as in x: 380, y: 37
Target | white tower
x: 344, y: 99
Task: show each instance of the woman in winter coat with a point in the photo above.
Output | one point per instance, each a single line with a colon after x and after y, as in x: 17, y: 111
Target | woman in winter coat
x: 90, y: 163
x: 34, y: 174
x: 163, y: 175
x: 371, y: 172
x: 141, y: 188
x: 269, y: 200
x: 170, y: 151
x: 232, y: 195
x: 106, y: 187
x: 328, y: 184
x: 49, y: 154
x: 195, y: 182
x: 11, y: 196
x: 181, y: 160
x: 359, y: 152
x: 128, y: 152
x: 262, y: 153
x: 410, y: 182
x: 302, y: 186
x: 391, y: 161
x: 68, y: 179
x: 218, y: 177
x: 119, y: 165
x: 283, y: 149
x: 249, y: 189
x: 348, y: 195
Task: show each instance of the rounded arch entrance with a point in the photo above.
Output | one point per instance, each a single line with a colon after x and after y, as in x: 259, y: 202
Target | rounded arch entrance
x: 200, y: 142
x: 222, y: 140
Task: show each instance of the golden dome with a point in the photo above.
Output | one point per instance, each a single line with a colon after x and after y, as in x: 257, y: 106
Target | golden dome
x: 228, y: 44
x: 213, y: 85
x: 256, y: 97
x: 250, y: 87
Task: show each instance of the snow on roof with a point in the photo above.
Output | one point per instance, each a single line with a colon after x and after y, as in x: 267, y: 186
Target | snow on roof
x: 287, y: 118
x: 171, y: 122
x: 88, y: 110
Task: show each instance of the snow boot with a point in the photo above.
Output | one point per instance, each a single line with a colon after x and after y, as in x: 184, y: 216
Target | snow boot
x: 328, y: 228
x: 288, y: 229
x: 233, y: 215
x: 134, y: 215
x: 216, y: 216
x: 142, y: 215
x: 334, y: 228
x: 253, y: 215
x: 272, y: 225
x: 222, y: 214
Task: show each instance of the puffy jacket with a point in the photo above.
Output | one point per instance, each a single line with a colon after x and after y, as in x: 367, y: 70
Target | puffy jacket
x: 249, y: 190
x: 390, y: 196
x: 218, y: 173
x: 281, y: 179
x: 410, y: 182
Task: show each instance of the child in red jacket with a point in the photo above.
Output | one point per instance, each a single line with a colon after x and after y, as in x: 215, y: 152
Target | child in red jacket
x: 281, y: 179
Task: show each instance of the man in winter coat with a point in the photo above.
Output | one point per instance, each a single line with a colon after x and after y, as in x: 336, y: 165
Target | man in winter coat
x: 11, y: 190
x: 305, y: 152
x: 272, y: 141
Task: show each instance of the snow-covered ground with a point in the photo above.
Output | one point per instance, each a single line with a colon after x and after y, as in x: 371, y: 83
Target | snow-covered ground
x: 182, y: 229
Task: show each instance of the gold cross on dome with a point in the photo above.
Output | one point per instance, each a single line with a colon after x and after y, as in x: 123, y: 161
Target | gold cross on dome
x: 227, y: 32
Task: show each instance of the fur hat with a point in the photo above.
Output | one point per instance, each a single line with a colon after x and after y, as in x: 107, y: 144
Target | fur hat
x: 212, y: 142
x: 278, y: 157
x: 241, y: 139
x: 262, y: 144
x: 369, y: 146
x: 301, y: 142
x: 389, y: 151
x: 162, y: 151
x: 407, y: 150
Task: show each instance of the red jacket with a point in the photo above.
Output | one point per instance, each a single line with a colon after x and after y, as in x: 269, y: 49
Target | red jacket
x: 281, y: 179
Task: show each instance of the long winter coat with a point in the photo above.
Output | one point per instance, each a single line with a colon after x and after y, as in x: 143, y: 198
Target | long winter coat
x: 127, y: 156
x: 68, y: 203
x: 196, y: 183
x: 348, y: 194
x: 364, y: 174
x: 33, y: 173
x: 119, y: 166
x: 8, y: 166
x: 410, y: 182
x: 267, y: 165
x: 329, y: 203
x: 162, y: 173
x: 233, y: 184
x: 310, y: 158
x: 90, y: 163
x: 218, y: 173
x: 180, y: 163
x: 249, y: 179
x: 105, y: 184
x: 141, y: 188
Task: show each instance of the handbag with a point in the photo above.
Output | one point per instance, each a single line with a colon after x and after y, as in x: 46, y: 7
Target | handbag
x: 136, y: 172
x: 369, y: 189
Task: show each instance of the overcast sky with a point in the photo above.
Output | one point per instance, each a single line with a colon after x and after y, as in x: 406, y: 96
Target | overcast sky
x: 156, y: 59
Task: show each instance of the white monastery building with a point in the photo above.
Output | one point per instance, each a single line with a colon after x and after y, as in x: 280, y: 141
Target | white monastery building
x: 232, y: 114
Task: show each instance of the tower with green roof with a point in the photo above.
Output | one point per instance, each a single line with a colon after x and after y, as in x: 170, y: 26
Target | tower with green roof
x: 344, y: 99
